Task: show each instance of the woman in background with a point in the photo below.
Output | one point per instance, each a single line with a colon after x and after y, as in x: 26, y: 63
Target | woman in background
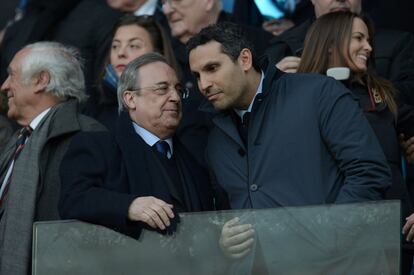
x: 344, y: 39
x: 132, y: 37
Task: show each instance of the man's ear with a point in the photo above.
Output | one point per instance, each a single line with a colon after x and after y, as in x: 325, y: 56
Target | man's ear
x: 41, y: 80
x: 128, y: 97
x: 245, y: 59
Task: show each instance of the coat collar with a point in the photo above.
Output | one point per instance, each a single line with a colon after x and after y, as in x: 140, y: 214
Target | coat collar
x: 67, y: 113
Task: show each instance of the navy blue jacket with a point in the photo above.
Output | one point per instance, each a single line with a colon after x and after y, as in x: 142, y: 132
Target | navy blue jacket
x: 308, y: 143
x: 102, y: 175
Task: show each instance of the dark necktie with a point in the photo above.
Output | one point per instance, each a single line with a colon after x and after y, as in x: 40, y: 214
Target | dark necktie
x: 244, y: 127
x: 162, y: 147
x: 20, y: 142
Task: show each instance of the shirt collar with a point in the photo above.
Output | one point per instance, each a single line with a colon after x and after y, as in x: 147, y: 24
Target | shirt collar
x: 259, y: 90
x: 148, y: 8
x: 150, y: 138
x: 35, y: 122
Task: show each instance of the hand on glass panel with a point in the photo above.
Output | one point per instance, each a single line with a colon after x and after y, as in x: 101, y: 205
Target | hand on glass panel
x: 408, y: 146
x: 289, y: 64
x: 236, y: 239
x: 154, y: 212
x: 408, y: 228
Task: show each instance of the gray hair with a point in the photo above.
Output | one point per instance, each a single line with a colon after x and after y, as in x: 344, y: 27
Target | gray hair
x: 62, y: 63
x: 129, y: 77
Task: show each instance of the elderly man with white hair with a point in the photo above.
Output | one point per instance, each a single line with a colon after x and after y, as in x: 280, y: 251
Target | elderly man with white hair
x: 44, y: 85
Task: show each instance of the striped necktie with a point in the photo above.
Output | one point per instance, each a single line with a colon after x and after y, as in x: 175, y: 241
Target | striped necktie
x: 20, y: 142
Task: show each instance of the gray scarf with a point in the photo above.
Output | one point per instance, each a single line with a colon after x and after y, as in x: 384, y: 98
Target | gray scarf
x: 20, y: 206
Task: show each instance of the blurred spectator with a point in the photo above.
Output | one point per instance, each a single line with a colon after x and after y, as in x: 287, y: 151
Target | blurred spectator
x: 137, y: 7
x: 281, y: 15
x: 244, y: 12
x: 132, y: 37
x: 140, y: 7
x: 394, y: 50
x: 275, y: 16
x: 8, y: 14
x: 44, y: 86
x: 388, y: 14
x: 85, y: 24
x: 8, y: 11
x: 6, y: 129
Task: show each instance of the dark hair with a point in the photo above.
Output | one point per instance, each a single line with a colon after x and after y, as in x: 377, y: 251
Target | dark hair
x: 231, y: 37
x: 159, y: 39
x: 330, y: 37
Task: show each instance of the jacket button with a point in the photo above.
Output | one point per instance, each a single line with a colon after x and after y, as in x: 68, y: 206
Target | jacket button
x: 253, y: 187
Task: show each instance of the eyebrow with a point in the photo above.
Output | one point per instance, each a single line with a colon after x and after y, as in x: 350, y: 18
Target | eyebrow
x: 362, y: 34
x: 129, y: 40
x: 358, y: 32
x: 167, y: 83
x: 211, y: 63
x: 161, y: 83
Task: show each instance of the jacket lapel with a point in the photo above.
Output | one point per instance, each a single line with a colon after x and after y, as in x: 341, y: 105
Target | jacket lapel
x: 225, y: 123
x: 146, y: 174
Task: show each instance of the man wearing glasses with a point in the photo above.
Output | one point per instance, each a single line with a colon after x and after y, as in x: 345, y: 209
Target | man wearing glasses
x: 143, y: 176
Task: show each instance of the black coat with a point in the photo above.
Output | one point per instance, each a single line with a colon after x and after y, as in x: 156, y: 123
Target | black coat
x: 387, y: 129
x: 102, y: 175
x: 394, y: 55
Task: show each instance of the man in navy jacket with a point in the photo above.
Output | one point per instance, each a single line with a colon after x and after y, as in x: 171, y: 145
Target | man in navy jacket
x: 142, y: 177
x: 280, y: 139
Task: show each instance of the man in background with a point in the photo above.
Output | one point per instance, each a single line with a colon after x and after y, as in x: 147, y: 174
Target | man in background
x: 44, y: 86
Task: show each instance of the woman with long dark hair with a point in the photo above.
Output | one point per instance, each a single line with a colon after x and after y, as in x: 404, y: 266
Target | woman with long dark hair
x: 132, y: 37
x: 342, y: 41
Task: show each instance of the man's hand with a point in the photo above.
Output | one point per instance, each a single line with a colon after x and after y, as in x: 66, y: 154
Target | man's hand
x: 236, y: 239
x: 289, y: 64
x: 408, y: 228
x: 408, y: 146
x: 154, y: 212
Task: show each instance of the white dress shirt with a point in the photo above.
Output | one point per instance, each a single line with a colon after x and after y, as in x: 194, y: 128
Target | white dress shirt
x: 35, y: 122
x: 151, y: 139
x: 148, y: 8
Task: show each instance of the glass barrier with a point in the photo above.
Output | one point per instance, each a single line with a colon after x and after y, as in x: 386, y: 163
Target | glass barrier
x: 362, y: 238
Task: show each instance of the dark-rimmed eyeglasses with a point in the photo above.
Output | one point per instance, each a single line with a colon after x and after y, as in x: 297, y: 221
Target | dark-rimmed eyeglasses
x: 163, y: 89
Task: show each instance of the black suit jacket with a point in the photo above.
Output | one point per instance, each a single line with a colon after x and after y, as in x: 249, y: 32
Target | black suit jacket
x: 101, y: 176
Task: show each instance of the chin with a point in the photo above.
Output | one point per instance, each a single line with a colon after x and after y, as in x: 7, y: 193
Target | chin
x: 10, y: 113
x: 221, y: 106
x: 361, y: 69
x: 180, y: 33
x: 172, y: 122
